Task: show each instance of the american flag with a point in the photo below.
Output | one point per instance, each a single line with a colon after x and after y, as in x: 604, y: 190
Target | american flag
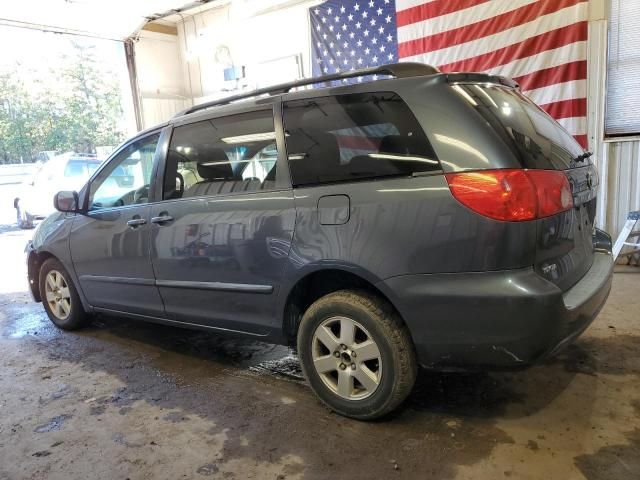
x: 542, y: 44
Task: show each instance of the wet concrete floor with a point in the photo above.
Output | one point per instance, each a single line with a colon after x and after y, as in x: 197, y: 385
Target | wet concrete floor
x: 123, y: 399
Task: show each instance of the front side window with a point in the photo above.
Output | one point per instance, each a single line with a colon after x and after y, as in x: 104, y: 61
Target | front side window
x: 222, y: 155
x: 127, y: 177
x: 353, y: 137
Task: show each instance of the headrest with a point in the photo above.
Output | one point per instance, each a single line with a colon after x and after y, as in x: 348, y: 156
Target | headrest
x: 317, y: 145
x: 364, y: 166
x: 215, y: 165
x: 403, y: 144
x: 320, y: 149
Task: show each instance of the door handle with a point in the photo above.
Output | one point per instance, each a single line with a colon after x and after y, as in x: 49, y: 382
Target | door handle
x: 136, y: 222
x: 162, y: 218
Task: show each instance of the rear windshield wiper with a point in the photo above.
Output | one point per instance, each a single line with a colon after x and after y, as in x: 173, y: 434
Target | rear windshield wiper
x: 582, y: 157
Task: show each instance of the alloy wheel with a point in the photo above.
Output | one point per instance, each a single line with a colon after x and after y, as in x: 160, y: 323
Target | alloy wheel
x: 347, y: 358
x: 58, y: 295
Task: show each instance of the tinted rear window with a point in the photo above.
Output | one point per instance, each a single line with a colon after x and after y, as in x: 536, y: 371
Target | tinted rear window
x: 353, y: 137
x: 532, y: 135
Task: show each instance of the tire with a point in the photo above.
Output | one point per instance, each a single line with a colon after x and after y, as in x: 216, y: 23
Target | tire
x: 23, y: 218
x: 373, y: 382
x: 64, y: 307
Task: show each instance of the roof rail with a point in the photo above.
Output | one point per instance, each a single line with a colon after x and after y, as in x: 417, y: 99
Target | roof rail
x: 398, y: 70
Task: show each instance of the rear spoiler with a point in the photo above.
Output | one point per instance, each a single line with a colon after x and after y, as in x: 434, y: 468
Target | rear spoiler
x: 472, y: 77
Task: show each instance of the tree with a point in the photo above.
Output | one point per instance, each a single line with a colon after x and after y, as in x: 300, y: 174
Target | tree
x: 92, y: 105
x: 76, y: 106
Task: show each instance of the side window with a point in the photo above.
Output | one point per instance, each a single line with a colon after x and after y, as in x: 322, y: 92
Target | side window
x: 222, y: 155
x: 126, y: 179
x: 352, y: 137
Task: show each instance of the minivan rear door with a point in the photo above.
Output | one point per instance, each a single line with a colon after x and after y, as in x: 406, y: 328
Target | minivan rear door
x: 220, y: 238
x: 534, y: 140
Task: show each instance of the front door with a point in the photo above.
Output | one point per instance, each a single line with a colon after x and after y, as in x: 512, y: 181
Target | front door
x: 221, y: 237
x: 110, y: 244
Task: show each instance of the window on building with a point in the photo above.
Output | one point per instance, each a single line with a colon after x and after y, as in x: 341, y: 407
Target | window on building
x: 623, y: 71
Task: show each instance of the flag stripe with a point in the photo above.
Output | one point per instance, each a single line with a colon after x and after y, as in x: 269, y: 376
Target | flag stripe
x: 550, y: 76
x: 433, y: 9
x: 486, y: 45
x: 458, y: 19
x: 484, y: 28
x: 576, y: 107
x: 574, y: 125
x: 575, y: 51
x: 554, y: 39
x: 582, y: 140
x: 558, y: 92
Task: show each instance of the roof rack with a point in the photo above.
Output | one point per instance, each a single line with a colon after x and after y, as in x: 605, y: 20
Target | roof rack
x: 398, y: 70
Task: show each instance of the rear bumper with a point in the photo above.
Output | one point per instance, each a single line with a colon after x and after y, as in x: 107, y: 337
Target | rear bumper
x: 501, y: 319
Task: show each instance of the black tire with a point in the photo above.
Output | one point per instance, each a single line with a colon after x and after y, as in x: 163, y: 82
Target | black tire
x: 76, y: 317
x: 23, y: 218
x: 397, y: 354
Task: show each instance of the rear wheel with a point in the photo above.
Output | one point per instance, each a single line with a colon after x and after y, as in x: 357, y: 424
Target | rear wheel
x: 356, y: 354
x: 23, y: 218
x: 60, y: 297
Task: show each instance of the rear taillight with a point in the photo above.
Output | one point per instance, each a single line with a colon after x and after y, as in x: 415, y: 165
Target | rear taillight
x: 512, y: 195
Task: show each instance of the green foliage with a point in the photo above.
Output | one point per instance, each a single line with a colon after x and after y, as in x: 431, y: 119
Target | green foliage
x: 76, y: 106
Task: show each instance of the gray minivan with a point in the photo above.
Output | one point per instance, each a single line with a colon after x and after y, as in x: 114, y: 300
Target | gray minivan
x: 426, y: 218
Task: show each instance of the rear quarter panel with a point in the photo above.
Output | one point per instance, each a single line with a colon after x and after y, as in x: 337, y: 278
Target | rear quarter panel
x: 404, y: 226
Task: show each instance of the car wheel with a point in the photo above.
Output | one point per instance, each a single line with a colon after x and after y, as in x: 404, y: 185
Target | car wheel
x: 356, y: 354
x: 60, y: 297
x: 24, y: 219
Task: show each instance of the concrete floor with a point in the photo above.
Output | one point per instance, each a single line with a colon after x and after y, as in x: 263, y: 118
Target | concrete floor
x: 130, y: 400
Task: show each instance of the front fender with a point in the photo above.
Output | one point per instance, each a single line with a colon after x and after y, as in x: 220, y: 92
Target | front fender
x: 51, y: 239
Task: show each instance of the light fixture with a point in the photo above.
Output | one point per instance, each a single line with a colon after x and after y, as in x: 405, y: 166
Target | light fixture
x: 253, y: 137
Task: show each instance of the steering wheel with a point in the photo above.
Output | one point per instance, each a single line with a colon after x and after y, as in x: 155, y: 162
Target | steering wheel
x: 141, y: 193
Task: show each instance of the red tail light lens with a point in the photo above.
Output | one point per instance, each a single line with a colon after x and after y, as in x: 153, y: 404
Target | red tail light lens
x: 512, y: 195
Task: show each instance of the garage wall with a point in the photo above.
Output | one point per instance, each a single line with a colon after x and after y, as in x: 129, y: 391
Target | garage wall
x: 617, y: 159
x: 160, y: 76
x: 269, y: 38
x: 620, y: 183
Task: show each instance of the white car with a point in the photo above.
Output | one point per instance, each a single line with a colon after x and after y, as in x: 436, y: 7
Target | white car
x: 68, y: 171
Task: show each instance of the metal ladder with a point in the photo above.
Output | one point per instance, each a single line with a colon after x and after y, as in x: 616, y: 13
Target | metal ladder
x: 628, y: 232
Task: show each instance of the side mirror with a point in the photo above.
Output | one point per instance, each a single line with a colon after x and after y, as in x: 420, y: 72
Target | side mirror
x: 66, y: 202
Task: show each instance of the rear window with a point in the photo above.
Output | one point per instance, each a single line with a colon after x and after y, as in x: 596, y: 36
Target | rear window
x: 352, y: 137
x: 532, y: 135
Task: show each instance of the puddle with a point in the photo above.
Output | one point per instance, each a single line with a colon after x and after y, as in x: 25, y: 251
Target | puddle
x: 287, y: 368
x: 28, y: 324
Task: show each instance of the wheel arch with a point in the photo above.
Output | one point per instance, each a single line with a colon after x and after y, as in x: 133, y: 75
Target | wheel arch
x: 35, y: 260
x: 34, y: 264
x: 318, y: 282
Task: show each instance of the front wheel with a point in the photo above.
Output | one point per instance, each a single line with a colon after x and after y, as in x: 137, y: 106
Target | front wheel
x: 60, y: 297
x: 356, y: 354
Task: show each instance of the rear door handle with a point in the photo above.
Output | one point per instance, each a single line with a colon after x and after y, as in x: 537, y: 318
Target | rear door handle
x: 162, y: 218
x: 136, y: 222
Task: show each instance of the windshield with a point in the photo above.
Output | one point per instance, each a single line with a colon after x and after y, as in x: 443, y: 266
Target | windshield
x: 536, y: 138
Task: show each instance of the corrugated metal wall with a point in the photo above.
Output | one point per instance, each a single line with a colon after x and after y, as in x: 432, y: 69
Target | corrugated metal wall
x: 619, y: 171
